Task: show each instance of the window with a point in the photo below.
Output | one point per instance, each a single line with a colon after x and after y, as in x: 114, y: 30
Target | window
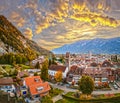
x: 40, y: 88
x: 104, y: 79
x: 24, y: 92
x: 37, y: 80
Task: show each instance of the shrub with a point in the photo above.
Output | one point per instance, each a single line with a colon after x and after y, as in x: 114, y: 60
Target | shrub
x: 77, y: 95
x: 45, y: 99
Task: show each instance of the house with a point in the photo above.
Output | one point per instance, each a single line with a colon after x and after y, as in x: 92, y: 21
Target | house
x: 22, y: 74
x: 74, y: 74
x: 5, y: 98
x: 40, y: 89
x: 40, y: 59
x: 100, y: 74
x: 36, y: 86
x: 54, y: 68
x: 107, y: 64
x: 32, y: 71
x: 117, y: 74
x: 6, y: 85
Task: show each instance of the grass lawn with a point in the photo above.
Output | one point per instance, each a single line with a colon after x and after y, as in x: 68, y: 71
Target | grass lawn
x: 66, y: 101
x: 70, y: 93
x: 6, y: 68
x: 55, y: 92
x: 72, y: 101
x: 23, y: 67
x: 69, y: 98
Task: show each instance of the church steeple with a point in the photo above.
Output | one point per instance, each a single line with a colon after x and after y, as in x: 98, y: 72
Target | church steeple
x: 67, y: 60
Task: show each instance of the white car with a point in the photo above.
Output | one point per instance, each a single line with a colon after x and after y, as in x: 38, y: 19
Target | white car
x: 115, y: 87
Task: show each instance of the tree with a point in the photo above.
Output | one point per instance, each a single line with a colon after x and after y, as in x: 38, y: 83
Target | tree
x: 35, y: 74
x: 62, y: 59
x: 50, y: 62
x: 44, y: 70
x: 58, y: 76
x: 54, y: 60
x: 86, y: 85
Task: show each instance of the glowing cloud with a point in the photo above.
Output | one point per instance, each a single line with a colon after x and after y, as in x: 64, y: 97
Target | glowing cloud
x: 17, y: 19
x: 59, y: 22
x: 28, y: 33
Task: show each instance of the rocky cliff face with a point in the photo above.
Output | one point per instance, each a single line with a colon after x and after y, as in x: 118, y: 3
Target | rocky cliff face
x: 12, y: 40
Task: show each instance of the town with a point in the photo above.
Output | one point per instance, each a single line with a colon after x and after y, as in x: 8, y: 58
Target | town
x: 48, y: 78
x: 59, y: 51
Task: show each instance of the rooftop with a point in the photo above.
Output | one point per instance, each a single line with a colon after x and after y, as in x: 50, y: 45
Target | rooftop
x: 31, y: 80
x: 57, y: 68
x: 39, y: 88
x: 6, y: 81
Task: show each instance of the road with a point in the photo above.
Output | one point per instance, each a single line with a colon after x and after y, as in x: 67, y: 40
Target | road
x: 66, y: 89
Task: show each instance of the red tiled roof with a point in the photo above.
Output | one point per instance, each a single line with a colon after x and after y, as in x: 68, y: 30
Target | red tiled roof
x: 91, y: 71
x: 57, y: 68
x: 34, y: 91
x: 94, y: 64
x: 35, y: 82
x: 106, y: 64
x: 74, y: 67
x: 103, y: 72
x: 32, y: 80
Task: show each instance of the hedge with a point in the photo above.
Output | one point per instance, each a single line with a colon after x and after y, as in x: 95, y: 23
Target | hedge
x: 115, y: 99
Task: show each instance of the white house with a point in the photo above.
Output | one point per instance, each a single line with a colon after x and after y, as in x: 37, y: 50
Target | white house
x: 53, y: 69
x: 6, y: 85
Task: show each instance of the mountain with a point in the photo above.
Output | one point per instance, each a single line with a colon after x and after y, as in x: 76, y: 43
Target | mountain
x: 12, y: 40
x: 96, y: 46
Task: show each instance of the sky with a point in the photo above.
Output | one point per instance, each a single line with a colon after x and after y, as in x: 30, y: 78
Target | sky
x: 54, y: 23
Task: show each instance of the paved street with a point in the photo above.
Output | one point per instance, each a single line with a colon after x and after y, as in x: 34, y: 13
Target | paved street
x: 66, y: 89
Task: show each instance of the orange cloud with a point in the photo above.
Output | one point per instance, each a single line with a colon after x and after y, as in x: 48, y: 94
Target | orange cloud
x: 95, y: 19
x: 60, y: 10
x: 28, y: 33
x: 17, y: 19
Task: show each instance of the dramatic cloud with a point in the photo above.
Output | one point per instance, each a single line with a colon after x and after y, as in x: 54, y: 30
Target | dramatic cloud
x: 28, y: 33
x: 82, y: 12
x: 53, y: 23
x: 17, y: 19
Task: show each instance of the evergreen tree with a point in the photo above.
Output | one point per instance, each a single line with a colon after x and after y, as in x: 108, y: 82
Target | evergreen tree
x: 37, y: 66
x: 50, y: 62
x: 44, y: 70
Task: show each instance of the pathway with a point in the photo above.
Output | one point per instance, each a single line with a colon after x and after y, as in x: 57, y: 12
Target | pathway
x: 56, y: 98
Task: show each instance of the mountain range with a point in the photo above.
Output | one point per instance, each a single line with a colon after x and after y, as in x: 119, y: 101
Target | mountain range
x: 12, y: 40
x: 96, y: 46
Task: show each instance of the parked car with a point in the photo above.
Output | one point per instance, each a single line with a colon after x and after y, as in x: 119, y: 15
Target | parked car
x: 67, y: 85
x: 60, y: 83
x: 115, y: 87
